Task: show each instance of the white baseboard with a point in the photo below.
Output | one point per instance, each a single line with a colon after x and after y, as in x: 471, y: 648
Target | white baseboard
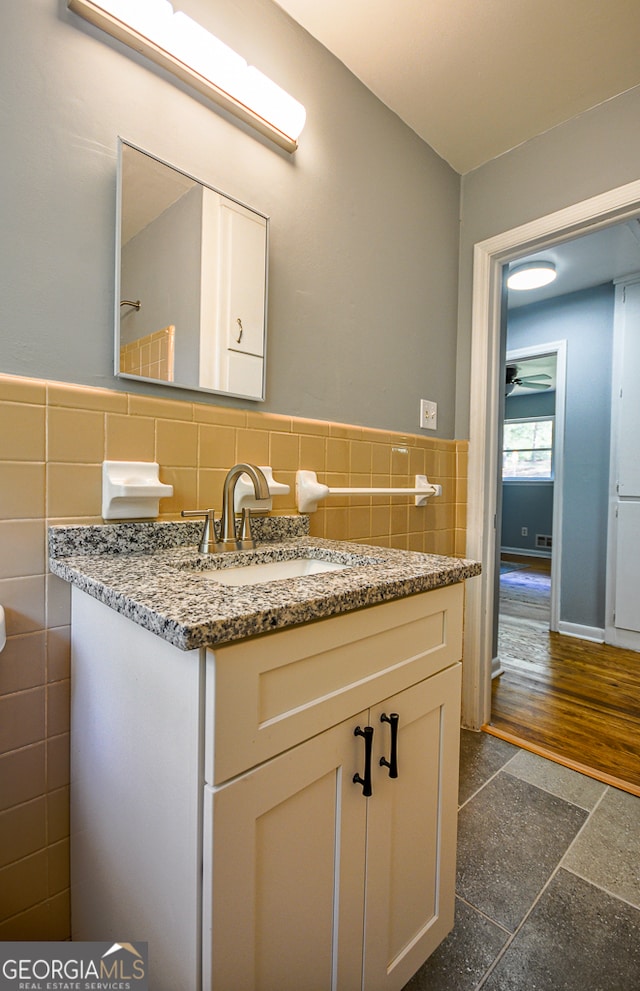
x: 535, y: 552
x: 496, y: 667
x: 593, y: 633
x: 628, y: 639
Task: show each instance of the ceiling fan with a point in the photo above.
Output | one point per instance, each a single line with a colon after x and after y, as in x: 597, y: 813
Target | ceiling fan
x: 525, y: 381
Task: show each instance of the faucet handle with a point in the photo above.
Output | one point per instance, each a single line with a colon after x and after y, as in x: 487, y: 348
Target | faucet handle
x: 245, y: 540
x: 208, y: 542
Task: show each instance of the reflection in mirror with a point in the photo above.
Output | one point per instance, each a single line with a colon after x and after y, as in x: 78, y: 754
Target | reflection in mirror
x: 192, y: 266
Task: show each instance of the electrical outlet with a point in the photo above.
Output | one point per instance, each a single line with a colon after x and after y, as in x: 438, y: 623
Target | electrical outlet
x: 524, y: 532
x: 428, y: 415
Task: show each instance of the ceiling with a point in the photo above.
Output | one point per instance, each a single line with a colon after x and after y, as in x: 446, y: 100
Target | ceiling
x: 589, y: 260
x: 149, y: 187
x: 475, y: 78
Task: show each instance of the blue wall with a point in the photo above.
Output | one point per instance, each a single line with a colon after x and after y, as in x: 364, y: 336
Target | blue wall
x: 533, y: 404
x: 585, y: 320
x: 526, y: 504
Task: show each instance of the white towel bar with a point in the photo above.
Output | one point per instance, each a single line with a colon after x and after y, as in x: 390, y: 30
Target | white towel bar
x: 309, y: 491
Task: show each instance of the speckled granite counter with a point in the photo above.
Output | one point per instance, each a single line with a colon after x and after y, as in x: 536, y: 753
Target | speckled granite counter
x: 152, y: 573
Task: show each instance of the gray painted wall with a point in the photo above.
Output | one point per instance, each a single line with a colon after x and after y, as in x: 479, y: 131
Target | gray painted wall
x: 364, y: 217
x: 528, y: 504
x: 593, y: 153
x: 585, y: 320
x: 161, y: 266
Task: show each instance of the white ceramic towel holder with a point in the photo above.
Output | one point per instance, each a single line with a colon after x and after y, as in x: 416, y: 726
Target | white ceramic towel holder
x: 245, y: 495
x: 131, y: 490
x: 309, y: 491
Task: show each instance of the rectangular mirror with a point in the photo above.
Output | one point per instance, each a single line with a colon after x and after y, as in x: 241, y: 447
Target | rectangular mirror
x: 191, y: 282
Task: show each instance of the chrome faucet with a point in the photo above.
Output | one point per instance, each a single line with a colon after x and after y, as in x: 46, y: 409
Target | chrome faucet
x: 228, y: 539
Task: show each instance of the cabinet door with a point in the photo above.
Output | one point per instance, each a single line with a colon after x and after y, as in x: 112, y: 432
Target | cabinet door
x: 245, y: 240
x: 411, y: 831
x: 244, y: 281
x: 284, y: 859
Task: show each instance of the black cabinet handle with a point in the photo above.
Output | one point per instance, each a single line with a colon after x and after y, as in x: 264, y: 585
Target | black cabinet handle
x: 393, y: 719
x: 367, y: 733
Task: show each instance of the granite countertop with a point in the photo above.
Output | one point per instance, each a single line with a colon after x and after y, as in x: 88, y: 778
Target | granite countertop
x: 153, y: 574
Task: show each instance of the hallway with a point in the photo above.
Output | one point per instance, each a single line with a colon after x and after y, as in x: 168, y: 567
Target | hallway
x: 572, y: 700
x: 525, y: 588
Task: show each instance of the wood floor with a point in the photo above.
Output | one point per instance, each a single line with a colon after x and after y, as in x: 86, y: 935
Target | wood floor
x: 572, y: 700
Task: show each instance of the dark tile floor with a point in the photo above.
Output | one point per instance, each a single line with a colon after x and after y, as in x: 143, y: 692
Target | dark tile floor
x: 548, y: 885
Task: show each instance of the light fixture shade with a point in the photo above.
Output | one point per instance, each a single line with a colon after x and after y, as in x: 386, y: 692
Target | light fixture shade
x: 531, y: 275
x: 181, y: 45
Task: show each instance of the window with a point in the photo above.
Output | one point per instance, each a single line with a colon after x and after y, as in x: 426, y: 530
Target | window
x: 527, y: 449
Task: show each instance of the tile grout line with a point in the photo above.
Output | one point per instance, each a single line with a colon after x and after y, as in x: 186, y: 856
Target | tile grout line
x: 516, y: 931
x: 585, y: 823
x: 542, y: 891
x: 605, y: 891
x: 570, y: 870
x: 503, y: 950
x: 555, y: 794
x: 510, y: 936
x: 484, y: 915
x: 483, y: 785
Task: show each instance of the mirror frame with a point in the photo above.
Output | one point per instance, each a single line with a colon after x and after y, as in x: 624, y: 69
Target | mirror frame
x: 122, y: 143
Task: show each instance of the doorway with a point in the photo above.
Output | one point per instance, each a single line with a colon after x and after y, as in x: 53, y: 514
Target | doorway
x: 552, y: 688
x: 532, y: 475
x: 489, y: 257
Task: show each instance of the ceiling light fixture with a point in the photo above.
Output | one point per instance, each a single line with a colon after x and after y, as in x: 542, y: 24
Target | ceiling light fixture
x: 531, y: 275
x: 190, y: 52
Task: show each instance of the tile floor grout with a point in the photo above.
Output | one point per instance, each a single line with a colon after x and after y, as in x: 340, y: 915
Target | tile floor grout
x: 577, y: 805
x: 605, y: 891
x: 513, y: 935
x: 535, y: 844
x: 482, y: 786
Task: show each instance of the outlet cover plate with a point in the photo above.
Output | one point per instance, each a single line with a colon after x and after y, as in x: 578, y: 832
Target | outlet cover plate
x: 428, y: 415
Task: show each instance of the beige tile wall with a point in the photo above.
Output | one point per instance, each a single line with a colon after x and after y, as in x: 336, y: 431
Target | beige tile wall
x: 152, y: 356
x: 53, y: 439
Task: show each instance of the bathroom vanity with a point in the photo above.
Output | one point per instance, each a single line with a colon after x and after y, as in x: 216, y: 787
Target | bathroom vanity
x: 264, y: 778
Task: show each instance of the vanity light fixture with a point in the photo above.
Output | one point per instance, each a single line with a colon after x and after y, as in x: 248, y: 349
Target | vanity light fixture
x: 181, y: 45
x: 531, y: 275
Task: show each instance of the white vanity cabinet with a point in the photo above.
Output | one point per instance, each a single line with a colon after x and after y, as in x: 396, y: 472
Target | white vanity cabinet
x: 249, y: 858
x: 315, y: 858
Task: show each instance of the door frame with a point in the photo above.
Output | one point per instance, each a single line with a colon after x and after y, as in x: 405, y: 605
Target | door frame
x: 614, y: 635
x: 559, y: 348
x: 489, y: 256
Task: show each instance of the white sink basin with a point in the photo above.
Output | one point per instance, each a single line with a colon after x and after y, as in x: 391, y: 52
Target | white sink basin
x: 271, y: 571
